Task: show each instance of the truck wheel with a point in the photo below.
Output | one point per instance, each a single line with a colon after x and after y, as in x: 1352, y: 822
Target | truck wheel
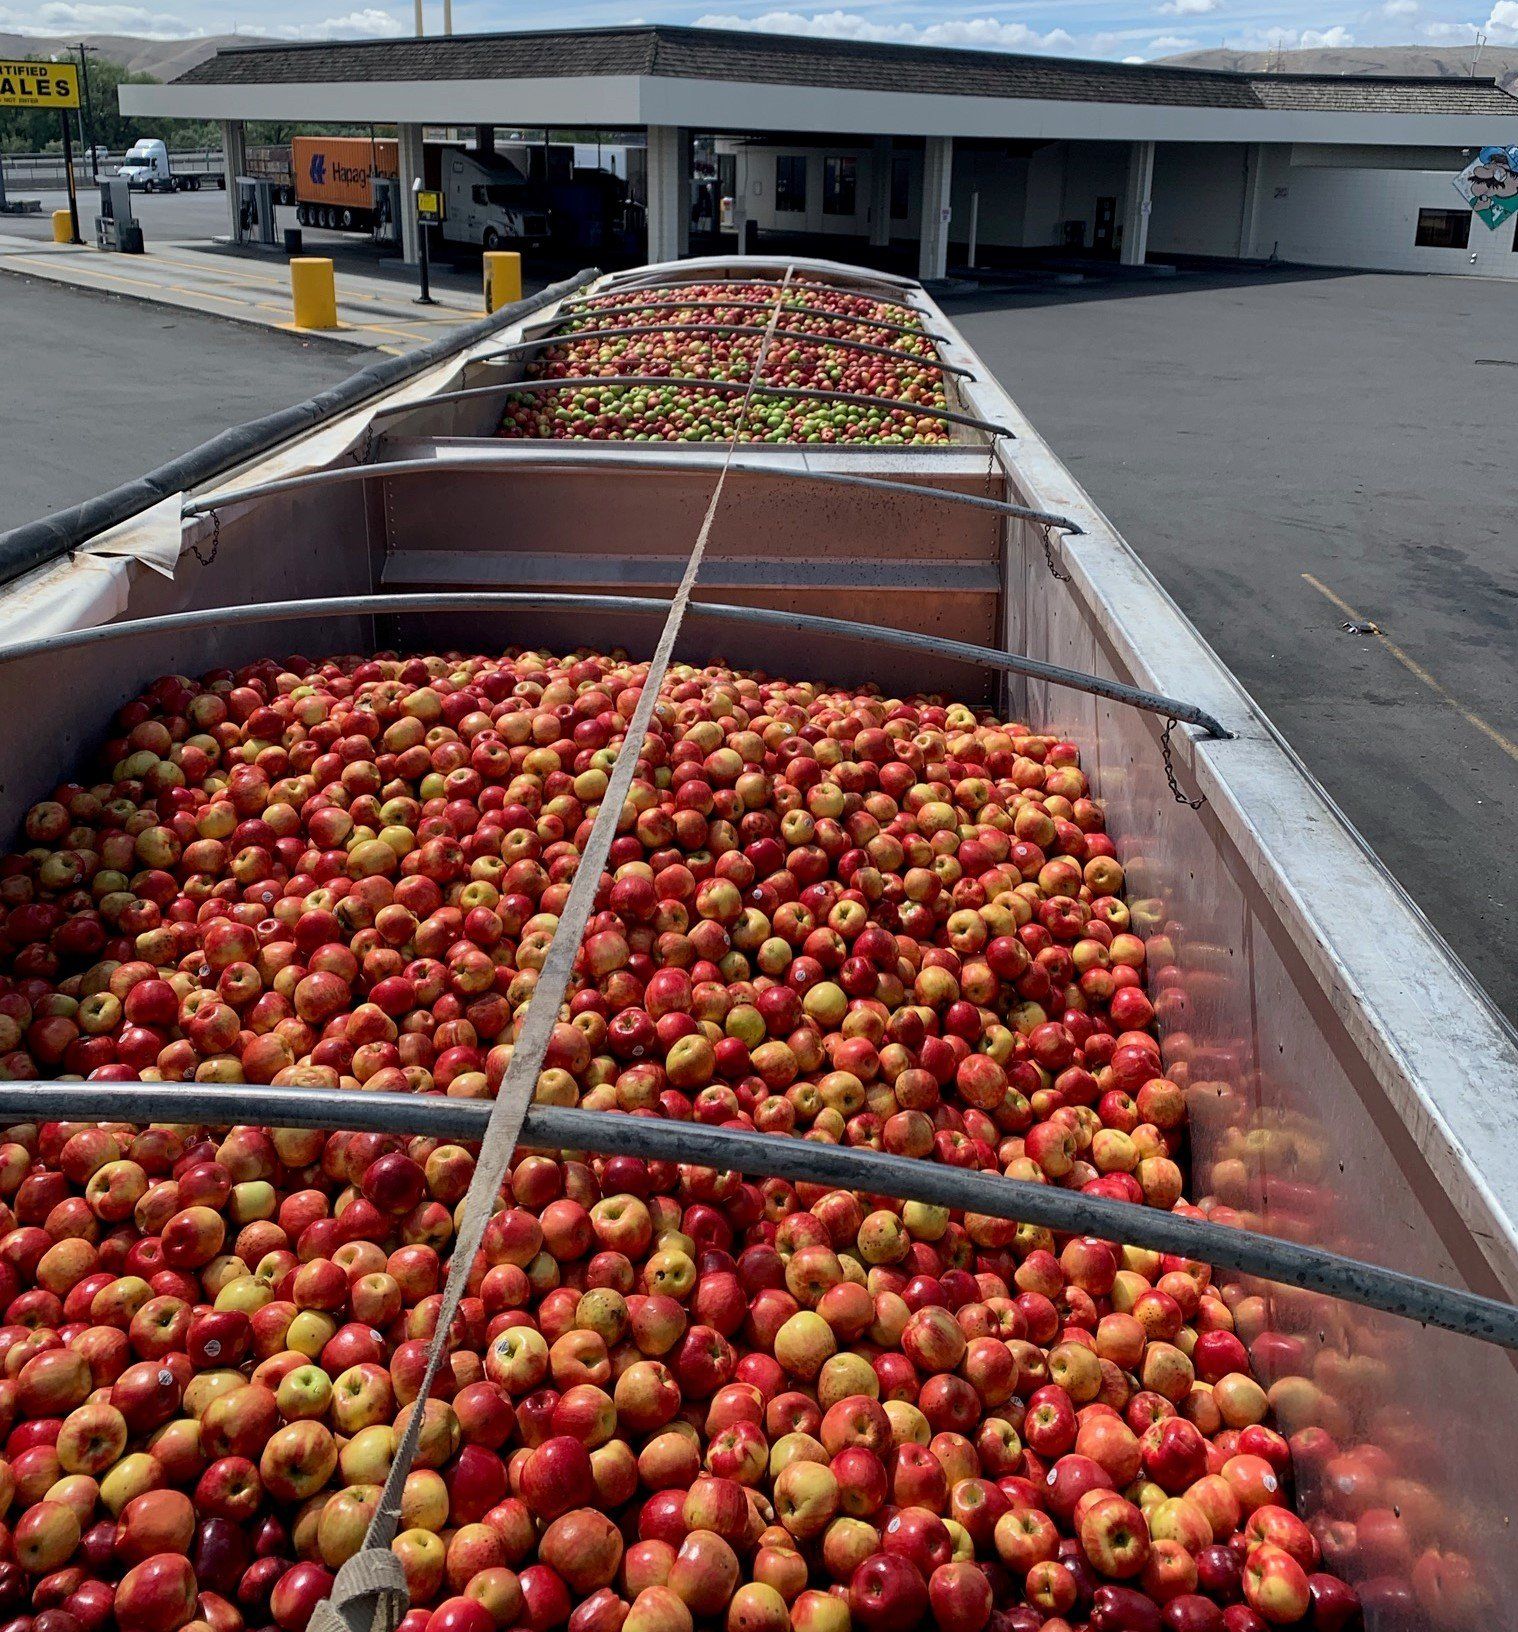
x: 347, y: 220
x: 492, y: 239
x: 194, y: 184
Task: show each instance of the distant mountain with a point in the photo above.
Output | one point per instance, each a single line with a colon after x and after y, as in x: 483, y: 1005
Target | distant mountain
x: 1443, y: 61
x: 163, y: 59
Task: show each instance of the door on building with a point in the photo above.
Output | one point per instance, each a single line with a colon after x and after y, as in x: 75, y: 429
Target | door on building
x: 1104, y: 231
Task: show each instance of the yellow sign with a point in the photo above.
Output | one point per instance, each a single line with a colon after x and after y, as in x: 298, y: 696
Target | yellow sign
x: 429, y: 207
x: 34, y: 85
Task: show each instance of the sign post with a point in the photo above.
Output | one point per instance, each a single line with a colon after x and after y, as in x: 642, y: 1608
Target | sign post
x: 46, y: 85
x: 68, y: 171
x: 429, y: 213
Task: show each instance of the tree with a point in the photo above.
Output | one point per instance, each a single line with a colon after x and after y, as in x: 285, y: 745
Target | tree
x: 22, y: 131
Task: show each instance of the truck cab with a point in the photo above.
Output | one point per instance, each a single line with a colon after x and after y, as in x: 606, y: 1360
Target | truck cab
x: 146, y: 167
x: 491, y: 203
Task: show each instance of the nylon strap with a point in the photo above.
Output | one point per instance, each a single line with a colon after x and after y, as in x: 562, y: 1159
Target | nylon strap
x: 369, y: 1593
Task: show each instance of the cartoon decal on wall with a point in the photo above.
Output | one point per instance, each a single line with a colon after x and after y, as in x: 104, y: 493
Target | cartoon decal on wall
x: 1489, y: 184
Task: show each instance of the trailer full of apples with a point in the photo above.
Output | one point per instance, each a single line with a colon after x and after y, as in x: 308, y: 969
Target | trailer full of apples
x: 794, y: 359
x: 675, y: 1398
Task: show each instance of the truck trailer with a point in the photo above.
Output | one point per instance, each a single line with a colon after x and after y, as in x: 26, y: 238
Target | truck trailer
x: 953, y: 847
x: 333, y: 180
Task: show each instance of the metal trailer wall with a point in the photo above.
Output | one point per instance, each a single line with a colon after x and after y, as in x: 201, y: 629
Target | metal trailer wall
x: 1349, y: 1085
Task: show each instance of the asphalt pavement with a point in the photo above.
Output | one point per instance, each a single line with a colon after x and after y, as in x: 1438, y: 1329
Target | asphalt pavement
x: 102, y: 388
x: 1291, y: 452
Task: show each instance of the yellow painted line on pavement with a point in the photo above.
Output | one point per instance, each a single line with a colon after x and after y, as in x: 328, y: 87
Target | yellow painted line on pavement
x: 203, y: 294
x: 94, y: 272
x: 1416, y: 669
x: 212, y: 267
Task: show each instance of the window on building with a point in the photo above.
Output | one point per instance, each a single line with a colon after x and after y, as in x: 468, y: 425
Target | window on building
x: 840, y: 186
x: 790, y: 182
x: 1443, y: 229
x: 901, y: 185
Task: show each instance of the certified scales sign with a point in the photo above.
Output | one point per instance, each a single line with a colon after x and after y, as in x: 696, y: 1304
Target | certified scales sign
x: 1489, y: 184
x: 38, y: 85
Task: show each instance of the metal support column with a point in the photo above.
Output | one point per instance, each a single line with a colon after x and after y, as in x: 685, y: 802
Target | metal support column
x: 1136, y: 203
x: 668, y: 211
x: 937, y: 185
x: 1249, y: 216
x: 740, y: 197
x: 880, y: 192
x: 409, y: 164
x: 234, y: 158
x: 687, y: 151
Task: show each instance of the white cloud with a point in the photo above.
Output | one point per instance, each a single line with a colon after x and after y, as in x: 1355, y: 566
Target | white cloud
x: 1399, y: 8
x: 987, y: 33
x: 1457, y: 33
x: 1291, y: 39
x: 1168, y: 44
x: 367, y: 24
x: 1134, y: 61
x: 1332, y: 38
x: 1502, y: 25
x: 1187, y: 8
x: 61, y: 17
x: 66, y: 17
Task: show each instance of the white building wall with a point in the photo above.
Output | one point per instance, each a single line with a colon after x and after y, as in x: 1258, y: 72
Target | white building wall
x: 1001, y: 180
x: 1043, y: 190
x: 761, y: 194
x: 1093, y: 170
x: 1198, y: 198
x: 1368, y: 218
x: 1319, y: 205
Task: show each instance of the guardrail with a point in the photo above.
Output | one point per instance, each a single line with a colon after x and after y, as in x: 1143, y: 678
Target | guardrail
x: 45, y: 170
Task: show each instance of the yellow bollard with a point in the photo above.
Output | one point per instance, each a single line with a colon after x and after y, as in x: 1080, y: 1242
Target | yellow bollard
x: 63, y: 227
x: 313, y: 292
x: 503, y: 278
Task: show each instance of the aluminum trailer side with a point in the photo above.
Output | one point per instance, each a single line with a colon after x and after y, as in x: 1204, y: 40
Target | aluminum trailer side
x: 1349, y: 1083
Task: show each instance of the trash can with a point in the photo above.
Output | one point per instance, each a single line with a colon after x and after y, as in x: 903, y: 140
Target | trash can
x: 293, y: 241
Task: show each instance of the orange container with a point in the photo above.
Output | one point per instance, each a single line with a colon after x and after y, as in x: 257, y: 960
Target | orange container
x: 340, y: 169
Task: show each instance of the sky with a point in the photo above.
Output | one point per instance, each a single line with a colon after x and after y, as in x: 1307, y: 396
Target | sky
x: 1137, y: 30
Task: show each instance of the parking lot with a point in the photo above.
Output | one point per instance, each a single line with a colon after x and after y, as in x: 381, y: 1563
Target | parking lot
x: 1291, y: 451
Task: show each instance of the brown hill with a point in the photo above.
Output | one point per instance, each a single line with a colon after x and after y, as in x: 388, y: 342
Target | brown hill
x: 163, y: 59
x: 1442, y: 61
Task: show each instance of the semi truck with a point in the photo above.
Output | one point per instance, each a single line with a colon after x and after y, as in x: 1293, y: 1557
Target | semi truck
x: 490, y: 204
x: 1346, y: 1084
x: 150, y: 168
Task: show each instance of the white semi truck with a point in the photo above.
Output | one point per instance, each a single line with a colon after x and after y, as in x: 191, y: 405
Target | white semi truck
x: 490, y: 204
x: 149, y: 168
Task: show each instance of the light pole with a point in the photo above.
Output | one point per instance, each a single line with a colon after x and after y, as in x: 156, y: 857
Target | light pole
x: 89, y: 112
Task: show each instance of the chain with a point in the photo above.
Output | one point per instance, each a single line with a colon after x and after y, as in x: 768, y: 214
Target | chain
x: 1175, y: 787
x: 206, y: 560
x: 1054, y: 572
x: 361, y: 457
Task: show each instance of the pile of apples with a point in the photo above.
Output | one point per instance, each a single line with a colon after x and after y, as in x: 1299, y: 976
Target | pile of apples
x: 688, y: 414
x: 674, y: 1397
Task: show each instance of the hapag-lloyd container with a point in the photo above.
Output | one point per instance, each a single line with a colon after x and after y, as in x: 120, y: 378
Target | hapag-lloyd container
x: 1350, y: 1085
